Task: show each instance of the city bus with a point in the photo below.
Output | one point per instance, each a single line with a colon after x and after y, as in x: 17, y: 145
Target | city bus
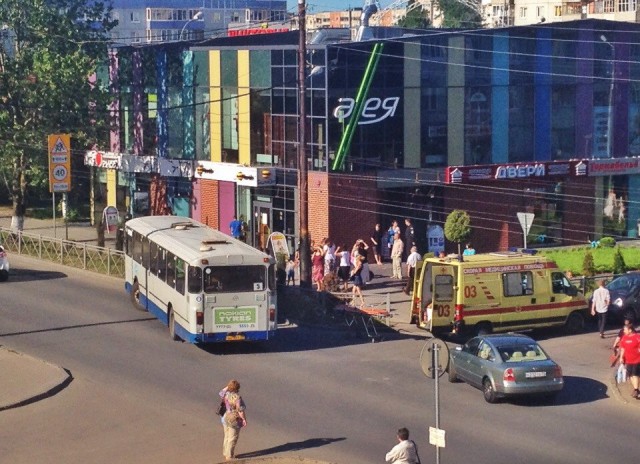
x: 204, y: 285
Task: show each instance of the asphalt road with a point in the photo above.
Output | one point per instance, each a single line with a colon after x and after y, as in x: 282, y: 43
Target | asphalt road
x: 315, y: 393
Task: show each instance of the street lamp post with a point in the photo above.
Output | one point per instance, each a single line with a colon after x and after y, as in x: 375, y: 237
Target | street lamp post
x: 196, y: 17
x: 610, y: 114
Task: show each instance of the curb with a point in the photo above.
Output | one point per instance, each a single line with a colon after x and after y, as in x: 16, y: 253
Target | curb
x: 52, y: 379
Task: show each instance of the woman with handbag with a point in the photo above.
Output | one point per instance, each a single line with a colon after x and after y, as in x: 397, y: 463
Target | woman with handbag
x: 233, y: 419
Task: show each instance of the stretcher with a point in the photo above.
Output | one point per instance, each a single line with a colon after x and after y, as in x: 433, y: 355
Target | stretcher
x: 365, y: 317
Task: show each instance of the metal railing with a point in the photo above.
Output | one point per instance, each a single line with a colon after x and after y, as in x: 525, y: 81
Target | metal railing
x: 66, y: 252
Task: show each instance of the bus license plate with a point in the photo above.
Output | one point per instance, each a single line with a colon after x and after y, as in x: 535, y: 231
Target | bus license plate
x: 234, y: 337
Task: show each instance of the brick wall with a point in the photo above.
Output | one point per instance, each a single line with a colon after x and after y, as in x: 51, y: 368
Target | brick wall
x: 355, y: 206
x: 493, y: 207
x: 209, y: 210
x: 318, y: 187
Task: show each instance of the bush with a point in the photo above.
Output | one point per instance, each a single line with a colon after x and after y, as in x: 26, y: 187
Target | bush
x: 607, y: 242
x: 588, y: 266
x: 619, y: 266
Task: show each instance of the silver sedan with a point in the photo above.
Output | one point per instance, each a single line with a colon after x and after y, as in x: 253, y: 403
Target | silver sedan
x: 505, y: 365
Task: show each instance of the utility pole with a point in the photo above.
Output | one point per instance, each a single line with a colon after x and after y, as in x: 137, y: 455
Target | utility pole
x: 303, y: 190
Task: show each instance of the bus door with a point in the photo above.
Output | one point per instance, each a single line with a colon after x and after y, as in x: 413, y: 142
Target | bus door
x: 444, y: 295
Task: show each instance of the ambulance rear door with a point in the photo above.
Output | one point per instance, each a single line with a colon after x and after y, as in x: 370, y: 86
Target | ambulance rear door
x: 444, y: 284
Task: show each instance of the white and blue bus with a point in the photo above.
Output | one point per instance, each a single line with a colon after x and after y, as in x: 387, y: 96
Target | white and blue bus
x: 204, y: 285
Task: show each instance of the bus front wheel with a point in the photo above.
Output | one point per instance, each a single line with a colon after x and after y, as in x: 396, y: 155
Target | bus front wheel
x: 135, y: 296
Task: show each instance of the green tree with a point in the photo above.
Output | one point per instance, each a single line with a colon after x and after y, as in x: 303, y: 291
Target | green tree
x: 457, y: 227
x: 416, y: 17
x: 619, y: 266
x: 49, y: 51
x: 460, y: 13
x: 588, y: 266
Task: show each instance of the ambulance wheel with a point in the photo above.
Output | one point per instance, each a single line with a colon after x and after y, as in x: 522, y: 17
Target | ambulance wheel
x: 483, y: 328
x: 575, y: 323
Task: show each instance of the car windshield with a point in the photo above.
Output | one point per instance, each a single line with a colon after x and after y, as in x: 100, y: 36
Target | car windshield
x: 521, y: 352
x: 623, y: 283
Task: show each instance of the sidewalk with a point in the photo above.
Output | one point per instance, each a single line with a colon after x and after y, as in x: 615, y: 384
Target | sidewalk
x: 26, y: 379
x: 77, y: 232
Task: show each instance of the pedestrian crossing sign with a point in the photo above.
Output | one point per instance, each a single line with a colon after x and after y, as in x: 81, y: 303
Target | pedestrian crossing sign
x: 59, y: 162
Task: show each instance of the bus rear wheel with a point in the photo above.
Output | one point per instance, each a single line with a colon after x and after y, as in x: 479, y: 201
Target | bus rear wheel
x: 135, y: 296
x: 172, y: 325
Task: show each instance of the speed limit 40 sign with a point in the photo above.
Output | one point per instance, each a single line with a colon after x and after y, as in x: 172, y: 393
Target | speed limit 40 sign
x: 59, y: 162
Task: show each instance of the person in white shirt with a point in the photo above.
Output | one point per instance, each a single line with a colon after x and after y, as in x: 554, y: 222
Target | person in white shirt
x: 600, y: 305
x: 405, y: 452
x: 412, y: 262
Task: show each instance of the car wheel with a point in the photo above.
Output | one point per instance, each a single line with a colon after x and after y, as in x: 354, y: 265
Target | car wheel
x: 172, y: 325
x: 4, y: 276
x: 575, y: 323
x: 488, y: 391
x: 630, y: 315
x: 453, y: 378
x: 483, y: 328
x: 135, y: 296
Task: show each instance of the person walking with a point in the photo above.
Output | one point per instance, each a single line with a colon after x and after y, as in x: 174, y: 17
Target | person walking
x: 317, y: 268
x: 412, y: 261
x: 409, y: 236
x: 235, y: 227
x: 600, y: 305
x: 233, y: 419
x: 356, y: 275
x: 630, y: 357
x: 344, y: 270
x: 376, y: 241
x: 396, y: 256
x: 405, y: 452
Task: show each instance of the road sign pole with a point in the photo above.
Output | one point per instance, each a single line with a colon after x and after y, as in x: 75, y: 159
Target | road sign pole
x: 53, y: 208
x: 526, y: 231
x: 436, y: 371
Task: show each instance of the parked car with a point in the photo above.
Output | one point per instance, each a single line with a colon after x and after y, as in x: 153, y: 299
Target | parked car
x: 625, y: 297
x: 505, y: 365
x: 4, y: 265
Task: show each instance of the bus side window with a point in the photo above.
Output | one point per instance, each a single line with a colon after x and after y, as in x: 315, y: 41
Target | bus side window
x: 171, y: 270
x: 153, y: 258
x: 162, y: 263
x: 180, y: 275
x: 194, y: 280
x: 145, y: 252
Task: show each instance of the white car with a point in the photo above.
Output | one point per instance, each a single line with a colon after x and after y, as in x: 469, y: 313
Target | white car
x: 4, y: 264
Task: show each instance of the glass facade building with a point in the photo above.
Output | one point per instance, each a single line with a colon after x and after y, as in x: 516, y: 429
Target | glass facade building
x: 404, y: 112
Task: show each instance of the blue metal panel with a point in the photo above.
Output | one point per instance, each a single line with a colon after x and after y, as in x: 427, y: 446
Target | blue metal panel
x: 500, y: 100
x: 542, y: 83
x: 163, y: 102
x: 188, y: 117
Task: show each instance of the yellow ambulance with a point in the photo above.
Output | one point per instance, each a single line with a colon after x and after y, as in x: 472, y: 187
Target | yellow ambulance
x: 495, y: 292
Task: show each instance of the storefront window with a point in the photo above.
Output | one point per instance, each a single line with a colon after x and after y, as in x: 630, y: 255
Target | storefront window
x: 546, y: 204
x: 614, y: 220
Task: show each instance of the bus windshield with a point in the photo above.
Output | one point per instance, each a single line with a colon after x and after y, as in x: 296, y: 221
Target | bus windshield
x: 225, y: 279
